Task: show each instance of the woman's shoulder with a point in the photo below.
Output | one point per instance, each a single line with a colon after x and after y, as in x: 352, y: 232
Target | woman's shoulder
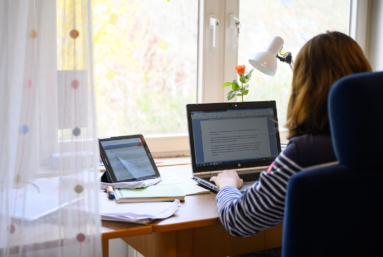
x: 308, y: 150
x: 309, y: 140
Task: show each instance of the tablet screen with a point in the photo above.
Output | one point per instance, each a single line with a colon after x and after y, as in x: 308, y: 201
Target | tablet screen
x: 128, y: 159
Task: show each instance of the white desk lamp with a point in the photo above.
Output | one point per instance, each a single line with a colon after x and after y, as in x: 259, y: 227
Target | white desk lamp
x: 266, y: 61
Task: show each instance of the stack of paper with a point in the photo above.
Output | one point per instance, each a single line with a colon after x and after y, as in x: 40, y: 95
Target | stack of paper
x: 142, y: 213
x: 34, y: 201
x: 29, y: 205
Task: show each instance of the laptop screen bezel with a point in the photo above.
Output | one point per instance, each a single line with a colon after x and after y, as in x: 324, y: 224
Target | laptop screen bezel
x: 229, y: 106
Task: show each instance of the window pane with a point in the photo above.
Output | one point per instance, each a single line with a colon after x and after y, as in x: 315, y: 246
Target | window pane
x: 296, y: 22
x: 145, y: 59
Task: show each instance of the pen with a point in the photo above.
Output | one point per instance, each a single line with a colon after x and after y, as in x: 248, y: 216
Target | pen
x: 110, y: 192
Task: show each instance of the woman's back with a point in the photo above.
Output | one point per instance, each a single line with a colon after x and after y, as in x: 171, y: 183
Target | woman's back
x: 309, y: 150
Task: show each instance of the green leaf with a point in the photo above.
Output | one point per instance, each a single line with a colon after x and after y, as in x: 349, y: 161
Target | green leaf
x: 235, y: 81
x: 227, y: 84
x: 245, y: 92
x: 230, y: 95
x: 242, y: 79
x: 235, y: 86
x: 247, y: 86
x: 248, y: 74
x: 239, y: 94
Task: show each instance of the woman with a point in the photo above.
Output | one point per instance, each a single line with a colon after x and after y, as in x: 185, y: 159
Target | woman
x: 322, y: 60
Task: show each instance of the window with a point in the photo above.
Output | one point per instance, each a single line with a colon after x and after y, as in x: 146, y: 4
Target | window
x: 152, y: 57
x: 296, y: 22
x: 145, y: 65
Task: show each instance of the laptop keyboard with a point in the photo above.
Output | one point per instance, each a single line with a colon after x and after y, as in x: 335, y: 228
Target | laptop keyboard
x: 247, y: 177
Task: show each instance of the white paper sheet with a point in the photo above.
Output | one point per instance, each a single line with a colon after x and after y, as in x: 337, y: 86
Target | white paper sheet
x: 188, y: 186
x: 28, y: 204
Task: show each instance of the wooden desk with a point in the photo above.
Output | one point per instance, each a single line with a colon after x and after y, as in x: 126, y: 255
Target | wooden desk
x: 195, y: 230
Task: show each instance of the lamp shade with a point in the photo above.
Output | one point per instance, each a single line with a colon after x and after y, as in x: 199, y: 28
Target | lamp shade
x: 266, y: 61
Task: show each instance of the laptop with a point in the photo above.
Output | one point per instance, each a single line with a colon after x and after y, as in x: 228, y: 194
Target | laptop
x: 243, y: 136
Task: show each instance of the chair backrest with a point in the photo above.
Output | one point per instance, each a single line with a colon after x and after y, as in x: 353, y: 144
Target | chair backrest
x: 338, y: 210
x: 356, y: 119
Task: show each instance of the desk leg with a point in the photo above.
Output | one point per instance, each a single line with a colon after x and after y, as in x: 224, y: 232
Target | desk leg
x: 105, y: 248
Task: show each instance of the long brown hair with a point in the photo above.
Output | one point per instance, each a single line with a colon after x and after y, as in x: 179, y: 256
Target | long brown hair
x: 321, y: 61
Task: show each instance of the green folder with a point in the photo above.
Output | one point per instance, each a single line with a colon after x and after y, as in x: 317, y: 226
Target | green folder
x: 149, y: 194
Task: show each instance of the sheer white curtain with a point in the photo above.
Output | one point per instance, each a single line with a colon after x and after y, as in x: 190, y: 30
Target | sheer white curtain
x: 48, y: 143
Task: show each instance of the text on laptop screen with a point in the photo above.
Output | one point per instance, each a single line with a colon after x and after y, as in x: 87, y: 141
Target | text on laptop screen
x: 234, y: 136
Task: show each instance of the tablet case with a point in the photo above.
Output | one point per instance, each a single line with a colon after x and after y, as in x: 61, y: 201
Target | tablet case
x: 106, y: 181
x: 106, y: 177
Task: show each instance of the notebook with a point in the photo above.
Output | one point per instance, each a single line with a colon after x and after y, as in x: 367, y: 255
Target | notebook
x: 243, y: 136
x: 149, y: 194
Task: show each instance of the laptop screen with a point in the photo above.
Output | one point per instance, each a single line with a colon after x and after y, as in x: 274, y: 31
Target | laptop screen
x: 230, y: 136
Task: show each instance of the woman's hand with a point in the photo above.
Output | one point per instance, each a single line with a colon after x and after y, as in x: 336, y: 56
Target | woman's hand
x: 227, y: 178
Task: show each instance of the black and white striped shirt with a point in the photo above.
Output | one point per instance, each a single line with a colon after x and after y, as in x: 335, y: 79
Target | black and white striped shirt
x: 262, y: 205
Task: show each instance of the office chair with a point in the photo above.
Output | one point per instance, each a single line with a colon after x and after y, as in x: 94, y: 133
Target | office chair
x: 338, y: 210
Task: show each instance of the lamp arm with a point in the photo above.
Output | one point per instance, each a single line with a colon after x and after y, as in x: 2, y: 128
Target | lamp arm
x: 287, y: 58
x: 291, y: 66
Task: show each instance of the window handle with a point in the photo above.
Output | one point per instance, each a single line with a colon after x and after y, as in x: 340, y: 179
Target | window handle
x: 213, y: 24
x: 234, y: 25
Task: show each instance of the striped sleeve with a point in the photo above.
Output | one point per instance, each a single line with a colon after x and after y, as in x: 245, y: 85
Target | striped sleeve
x: 262, y: 205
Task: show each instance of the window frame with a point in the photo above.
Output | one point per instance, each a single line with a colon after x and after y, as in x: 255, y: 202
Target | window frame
x: 215, y: 65
x: 359, y: 24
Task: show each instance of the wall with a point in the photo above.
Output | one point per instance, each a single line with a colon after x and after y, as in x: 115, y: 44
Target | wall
x: 376, y: 35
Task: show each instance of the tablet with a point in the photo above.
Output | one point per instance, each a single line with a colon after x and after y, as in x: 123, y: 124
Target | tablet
x: 127, y: 158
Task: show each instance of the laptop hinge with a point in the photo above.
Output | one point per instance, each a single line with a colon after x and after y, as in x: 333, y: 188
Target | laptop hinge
x: 204, y: 173
x: 243, y: 170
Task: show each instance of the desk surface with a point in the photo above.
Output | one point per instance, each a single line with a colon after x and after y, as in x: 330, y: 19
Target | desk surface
x: 195, y: 211
x: 194, y: 230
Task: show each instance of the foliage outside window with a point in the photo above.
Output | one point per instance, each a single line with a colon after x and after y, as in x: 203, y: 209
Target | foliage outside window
x: 145, y: 64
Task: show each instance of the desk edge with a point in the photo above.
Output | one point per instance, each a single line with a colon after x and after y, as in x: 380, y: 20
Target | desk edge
x: 148, y: 229
x: 185, y: 225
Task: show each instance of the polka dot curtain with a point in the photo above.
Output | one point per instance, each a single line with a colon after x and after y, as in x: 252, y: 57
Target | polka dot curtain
x: 49, y: 149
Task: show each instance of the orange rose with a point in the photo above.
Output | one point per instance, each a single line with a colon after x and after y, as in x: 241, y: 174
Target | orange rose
x: 240, y: 69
